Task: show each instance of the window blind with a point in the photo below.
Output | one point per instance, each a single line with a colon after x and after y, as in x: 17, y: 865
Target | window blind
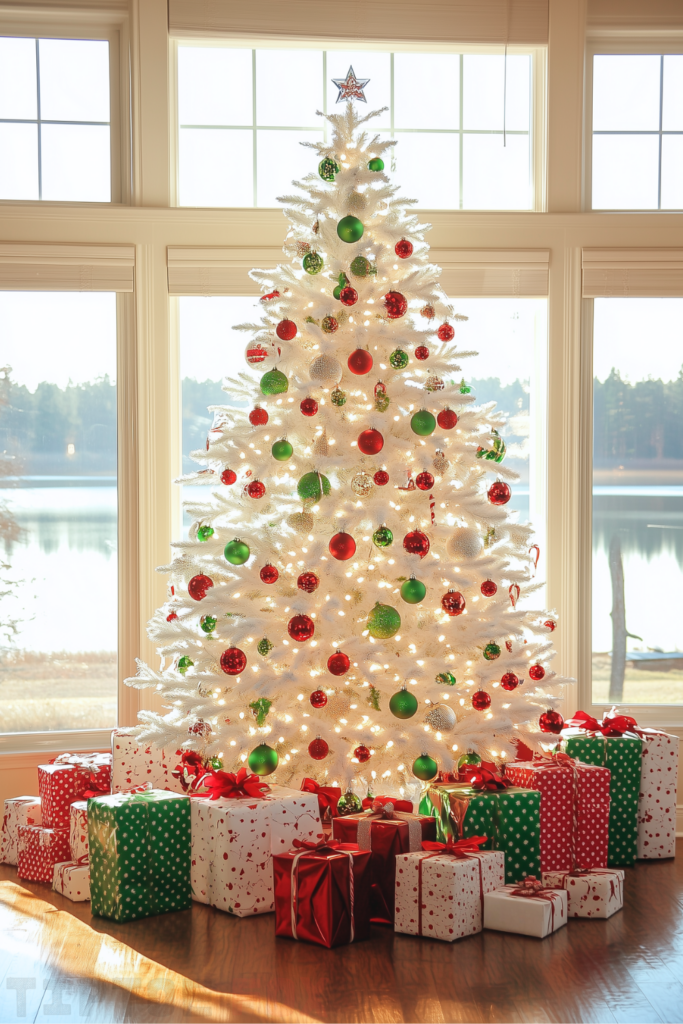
x: 66, y: 268
x: 637, y: 273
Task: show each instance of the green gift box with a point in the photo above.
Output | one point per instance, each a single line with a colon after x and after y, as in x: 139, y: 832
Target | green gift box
x: 623, y: 756
x: 510, y: 818
x: 139, y: 854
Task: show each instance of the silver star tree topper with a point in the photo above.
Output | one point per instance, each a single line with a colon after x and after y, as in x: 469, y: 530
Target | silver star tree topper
x: 351, y: 88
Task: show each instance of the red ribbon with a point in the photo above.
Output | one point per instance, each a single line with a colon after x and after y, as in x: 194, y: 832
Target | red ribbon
x: 532, y: 888
x: 376, y: 803
x: 582, y: 872
x: 235, y: 786
x: 190, y: 771
x: 325, y: 845
x: 615, y: 725
x: 462, y: 850
x: 328, y: 796
x: 97, y: 766
x: 484, y: 776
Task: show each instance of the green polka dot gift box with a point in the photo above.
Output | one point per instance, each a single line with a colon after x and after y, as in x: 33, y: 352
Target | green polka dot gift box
x: 139, y: 854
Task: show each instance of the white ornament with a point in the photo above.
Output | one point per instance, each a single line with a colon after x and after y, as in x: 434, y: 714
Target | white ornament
x: 262, y: 355
x: 326, y: 371
x: 465, y: 543
x: 441, y: 718
x: 362, y: 484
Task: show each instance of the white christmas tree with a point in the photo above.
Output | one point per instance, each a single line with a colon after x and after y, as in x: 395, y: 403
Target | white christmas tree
x: 346, y: 606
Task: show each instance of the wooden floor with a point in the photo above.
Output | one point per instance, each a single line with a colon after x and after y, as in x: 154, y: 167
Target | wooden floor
x: 203, y: 965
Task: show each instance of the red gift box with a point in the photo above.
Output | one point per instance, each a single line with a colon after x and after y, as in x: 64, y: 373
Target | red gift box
x: 39, y: 849
x: 386, y: 832
x: 71, y: 777
x: 322, y: 893
x: 574, y: 810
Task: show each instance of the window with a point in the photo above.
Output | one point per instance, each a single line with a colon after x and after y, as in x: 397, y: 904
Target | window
x: 637, y: 501
x: 637, y: 132
x: 464, y: 130
x: 55, y: 119
x: 58, y: 512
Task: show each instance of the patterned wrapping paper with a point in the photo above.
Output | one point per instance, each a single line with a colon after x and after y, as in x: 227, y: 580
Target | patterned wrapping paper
x: 510, y: 818
x: 575, y: 806
x: 39, y: 849
x: 70, y: 777
x: 657, y: 798
x: 623, y: 756
x: 524, y: 915
x: 19, y: 810
x: 452, y: 892
x: 139, y: 854
x: 72, y: 879
x: 78, y: 829
x: 591, y: 894
x: 135, y: 764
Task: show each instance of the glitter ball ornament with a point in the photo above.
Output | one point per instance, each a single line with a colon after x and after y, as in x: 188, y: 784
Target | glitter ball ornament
x: 342, y: 546
x: 301, y: 628
x: 256, y: 489
x: 361, y: 753
x: 492, y: 651
x: 453, y: 603
x: 395, y: 305
x: 357, y: 201
x: 313, y: 263
x: 362, y: 485
x: 536, y: 672
x: 350, y: 229
x: 349, y: 803
x: 445, y: 333
x: 264, y: 647
x: 433, y: 383
x: 381, y: 478
x: 339, y: 703
x: 398, y: 359
x: 422, y: 423
x: 207, y: 623
x: 360, y: 362
x: 236, y: 552
x: 413, y: 591
x: 258, y: 417
x: 310, y: 484
x: 200, y: 728
x: 233, y: 661
x: 509, y: 681
x: 465, y: 543
x: 441, y: 718
x: 327, y: 168
x: 318, y: 699
x: 198, y: 586
x: 309, y: 407
x: 382, y: 537
x: 447, y: 419
x: 471, y: 759
x: 403, y: 249
x: 286, y: 330
x: 301, y: 522
x: 424, y: 481
x: 326, y: 371
x: 318, y: 749
x: 308, y: 582
x: 382, y: 400
x: 370, y: 442
x: 403, y: 704
x: 282, y: 450
x: 446, y: 679
x: 422, y: 352
x: 204, y: 533
x: 269, y: 574
x: 416, y: 543
x: 376, y: 164
x: 428, y: 312
x: 551, y: 721
x: 321, y: 445
x: 228, y: 476
x: 329, y: 324
x: 549, y: 624
x: 348, y: 296
x: 488, y: 588
x: 481, y: 700
x: 263, y: 760
x: 184, y: 663
x: 338, y: 397
x: 338, y: 663
x: 383, y: 622
x: 361, y: 267
x: 499, y: 493
x: 274, y: 382
x: 440, y: 462
x: 425, y: 767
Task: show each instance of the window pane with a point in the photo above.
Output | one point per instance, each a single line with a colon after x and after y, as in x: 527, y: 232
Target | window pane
x: 625, y: 171
x: 74, y: 79
x: 366, y: 64
x: 58, y: 511
x: 281, y: 159
x: 216, y: 167
x: 18, y: 78
x: 288, y: 87
x: 18, y: 161
x: 672, y: 112
x: 672, y: 172
x: 214, y: 86
x: 486, y: 95
x: 638, y: 500
x: 496, y: 177
x: 76, y: 163
x: 432, y: 191
x: 426, y: 90
x: 626, y: 93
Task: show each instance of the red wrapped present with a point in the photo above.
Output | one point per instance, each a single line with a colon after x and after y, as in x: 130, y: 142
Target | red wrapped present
x: 386, y: 832
x: 575, y: 803
x: 322, y: 893
x: 39, y: 849
x: 70, y: 777
x: 328, y: 797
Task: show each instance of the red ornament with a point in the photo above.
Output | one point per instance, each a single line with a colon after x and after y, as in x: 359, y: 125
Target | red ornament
x: 551, y: 721
x: 416, y: 543
x: 509, y: 681
x: 447, y: 419
x: 360, y: 362
x: 424, y: 481
x: 200, y: 728
x: 228, y: 476
x: 308, y: 581
x: 269, y: 574
x: 508, y: 644
x: 536, y: 672
x: 453, y: 603
x: 338, y: 663
x: 329, y: 325
x: 342, y: 546
x: 403, y: 249
x: 381, y: 477
x: 270, y: 295
x: 233, y: 661
x: 301, y: 628
x: 318, y: 749
x: 258, y: 417
x: 370, y: 442
x: 428, y: 312
x: 446, y: 332
x: 198, y: 586
x: 395, y: 305
x: 171, y: 617
x: 361, y: 753
x: 309, y: 407
x: 348, y: 296
x: 256, y: 489
x: 318, y: 699
x: 481, y: 700
x: 488, y: 588
x: 422, y: 352
x: 286, y: 330
x: 549, y: 624
x: 499, y: 493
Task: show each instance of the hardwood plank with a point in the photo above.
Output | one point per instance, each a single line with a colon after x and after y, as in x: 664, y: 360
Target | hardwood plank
x: 667, y: 999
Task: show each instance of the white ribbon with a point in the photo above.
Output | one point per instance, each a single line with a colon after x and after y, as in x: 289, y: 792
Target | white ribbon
x: 295, y: 888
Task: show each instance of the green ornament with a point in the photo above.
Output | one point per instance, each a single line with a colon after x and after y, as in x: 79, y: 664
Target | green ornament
x: 308, y: 487
x: 261, y: 707
x: 413, y: 591
x: 282, y: 450
x: 382, y: 537
x: 469, y: 758
x: 376, y: 164
x: 208, y: 623
x: 495, y: 452
x: 425, y: 767
x: 264, y: 646
x: 216, y: 763
x: 313, y: 263
x: 446, y: 679
x: 398, y: 359
x: 263, y: 760
x: 350, y: 229
x: 362, y: 267
x: 383, y: 621
x: 464, y: 388
x: 337, y: 291
x: 403, y: 703
x: 328, y: 168
x: 382, y: 401
x: 423, y: 423
x: 184, y: 663
x: 338, y: 398
x: 204, y: 532
x: 343, y: 282
x: 274, y: 382
x: 373, y: 698
x: 349, y: 803
x: 491, y: 652
x: 236, y: 551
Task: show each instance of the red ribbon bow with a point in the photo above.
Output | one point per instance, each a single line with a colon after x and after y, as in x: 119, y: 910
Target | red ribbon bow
x: 378, y: 803
x: 98, y: 781
x: 190, y: 770
x: 484, y: 776
x: 324, y: 845
x: 235, y: 786
x: 328, y: 796
x: 458, y: 849
x: 530, y: 886
x: 611, y: 725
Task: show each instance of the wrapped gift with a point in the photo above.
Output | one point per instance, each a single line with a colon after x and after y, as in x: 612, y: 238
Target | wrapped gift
x: 574, y: 810
x: 322, y: 893
x: 594, y: 893
x: 387, y: 830
x: 509, y: 816
x: 328, y: 798
x: 78, y: 829
x: 72, y: 879
x: 70, y: 777
x: 136, y: 764
x: 440, y: 889
x: 139, y: 854
x: 657, y: 798
x: 19, y: 810
x: 39, y: 849
x: 528, y: 909
x: 612, y: 744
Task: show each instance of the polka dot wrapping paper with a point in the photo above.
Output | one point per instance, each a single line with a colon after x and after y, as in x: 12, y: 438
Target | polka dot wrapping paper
x: 19, y: 810
x: 596, y: 894
x: 136, y: 764
x: 139, y: 854
x: 39, y: 849
x: 59, y: 784
x: 657, y: 797
x: 72, y: 880
x: 78, y: 829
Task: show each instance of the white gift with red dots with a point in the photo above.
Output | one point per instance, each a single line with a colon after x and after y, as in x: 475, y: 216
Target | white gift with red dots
x: 137, y: 764
x: 594, y: 894
x: 78, y: 829
x: 19, y: 810
x: 72, y: 880
x: 657, y: 803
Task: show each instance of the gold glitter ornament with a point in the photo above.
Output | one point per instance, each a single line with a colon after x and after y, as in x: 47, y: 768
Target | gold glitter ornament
x: 357, y: 201
x: 301, y: 522
x: 362, y: 484
x: 440, y: 717
x: 440, y: 462
x: 326, y: 371
x: 338, y: 703
x: 321, y: 446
